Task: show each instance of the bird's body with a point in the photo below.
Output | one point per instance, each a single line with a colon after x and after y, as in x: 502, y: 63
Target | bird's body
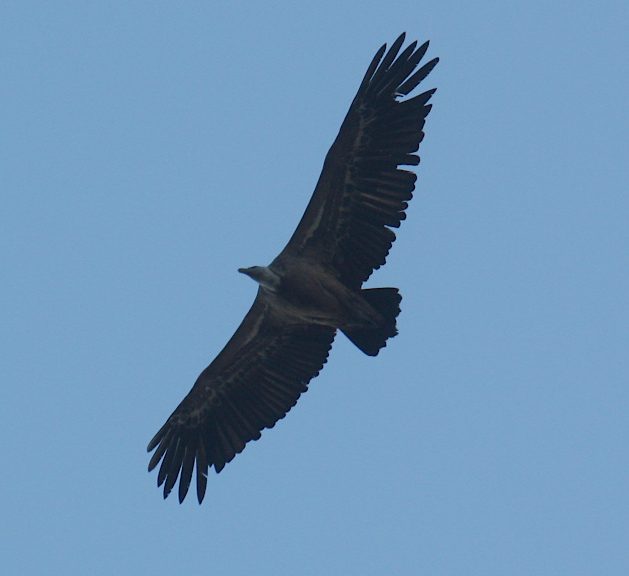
x: 314, y: 286
x: 304, y: 292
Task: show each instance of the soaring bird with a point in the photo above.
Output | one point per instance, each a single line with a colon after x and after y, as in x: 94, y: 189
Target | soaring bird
x: 314, y: 286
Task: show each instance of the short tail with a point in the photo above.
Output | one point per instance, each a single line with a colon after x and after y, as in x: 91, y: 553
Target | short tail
x: 386, y: 301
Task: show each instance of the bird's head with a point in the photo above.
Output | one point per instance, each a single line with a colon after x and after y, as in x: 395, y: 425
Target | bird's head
x: 263, y: 276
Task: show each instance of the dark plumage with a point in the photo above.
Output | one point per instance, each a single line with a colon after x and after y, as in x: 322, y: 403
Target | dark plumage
x: 313, y: 287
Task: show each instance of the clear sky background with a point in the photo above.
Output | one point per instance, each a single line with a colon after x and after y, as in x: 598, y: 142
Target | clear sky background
x: 148, y: 149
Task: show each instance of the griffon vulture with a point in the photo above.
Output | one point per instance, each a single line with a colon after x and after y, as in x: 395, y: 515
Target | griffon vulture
x: 314, y: 286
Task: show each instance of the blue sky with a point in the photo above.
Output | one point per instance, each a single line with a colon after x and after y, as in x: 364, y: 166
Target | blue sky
x: 150, y: 149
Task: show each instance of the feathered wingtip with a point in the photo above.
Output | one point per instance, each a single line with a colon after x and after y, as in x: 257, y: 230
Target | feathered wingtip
x: 387, y: 68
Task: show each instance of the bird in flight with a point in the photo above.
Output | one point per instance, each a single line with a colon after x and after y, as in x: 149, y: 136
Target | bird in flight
x: 314, y: 286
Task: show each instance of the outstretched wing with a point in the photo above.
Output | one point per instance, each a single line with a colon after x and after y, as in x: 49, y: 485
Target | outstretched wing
x: 362, y: 192
x: 252, y: 383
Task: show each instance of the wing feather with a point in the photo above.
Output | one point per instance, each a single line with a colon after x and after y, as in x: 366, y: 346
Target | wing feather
x: 202, y: 470
x: 252, y: 383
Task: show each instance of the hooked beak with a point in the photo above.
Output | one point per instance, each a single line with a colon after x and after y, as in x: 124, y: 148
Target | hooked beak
x: 248, y: 272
